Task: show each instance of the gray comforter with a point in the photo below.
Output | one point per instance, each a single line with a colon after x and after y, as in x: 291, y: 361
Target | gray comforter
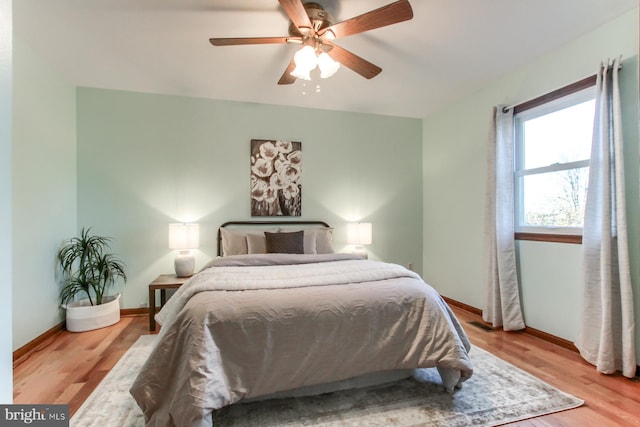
x: 248, y: 326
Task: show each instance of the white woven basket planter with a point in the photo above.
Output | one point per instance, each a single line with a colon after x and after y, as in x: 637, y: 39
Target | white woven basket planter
x: 82, y: 316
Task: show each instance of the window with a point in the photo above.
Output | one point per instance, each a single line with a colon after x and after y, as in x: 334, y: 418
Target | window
x: 552, y: 150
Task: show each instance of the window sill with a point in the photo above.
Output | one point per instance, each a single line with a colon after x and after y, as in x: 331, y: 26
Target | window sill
x: 555, y: 238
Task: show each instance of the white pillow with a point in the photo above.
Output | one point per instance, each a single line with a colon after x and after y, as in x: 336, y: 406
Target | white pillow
x: 234, y: 240
x: 309, y: 243
x: 323, y: 240
x: 256, y: 243
x: 241, y: 241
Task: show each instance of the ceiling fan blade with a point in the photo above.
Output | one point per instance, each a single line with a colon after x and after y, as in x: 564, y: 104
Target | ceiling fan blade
x: 287, y: 78
x: 386, y: 15
x: 231, y: 41
x: 297, y: 13
x: 350, y: 60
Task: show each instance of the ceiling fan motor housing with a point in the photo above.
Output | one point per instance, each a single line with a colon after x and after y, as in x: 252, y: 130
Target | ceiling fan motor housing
x: 319, y: 18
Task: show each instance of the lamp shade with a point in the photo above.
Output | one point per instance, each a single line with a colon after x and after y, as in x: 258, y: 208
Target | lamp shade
x: 184, y: 235
x: 359, y: 233
x: 305, y: 60
x: 301, y: 73
x: 328, y: 67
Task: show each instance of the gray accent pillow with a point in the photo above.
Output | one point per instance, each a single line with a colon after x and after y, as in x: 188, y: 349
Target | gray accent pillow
x: 285, y: 243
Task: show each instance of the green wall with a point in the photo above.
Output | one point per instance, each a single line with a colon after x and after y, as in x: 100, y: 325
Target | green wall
x: 6, y: 367
x: 454, y: 170
x: 44, y: 189
x: 128, y: 164
x: 147, y: 160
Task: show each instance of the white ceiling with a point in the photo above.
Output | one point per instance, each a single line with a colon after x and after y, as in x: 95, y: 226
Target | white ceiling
x: 450, y: 48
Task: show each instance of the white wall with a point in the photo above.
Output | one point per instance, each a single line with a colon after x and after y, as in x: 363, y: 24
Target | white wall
x: 454, y: 171
x: 6, y: 367
x: 44, y: 189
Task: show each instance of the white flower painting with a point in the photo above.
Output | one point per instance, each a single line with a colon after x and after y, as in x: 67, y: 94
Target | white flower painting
x: 276, y: 168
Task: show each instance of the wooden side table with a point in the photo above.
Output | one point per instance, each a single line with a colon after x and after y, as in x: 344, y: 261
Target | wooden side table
x: 162, y: 282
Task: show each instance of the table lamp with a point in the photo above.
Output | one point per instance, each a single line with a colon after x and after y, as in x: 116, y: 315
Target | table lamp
x: 184, y: 237
x: 358, y: 234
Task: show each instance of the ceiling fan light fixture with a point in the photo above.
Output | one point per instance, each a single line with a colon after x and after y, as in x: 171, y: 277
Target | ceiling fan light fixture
x: 305, y: 60
x: 328, y: 66
x: 312, y: 26
x: 301, y: 73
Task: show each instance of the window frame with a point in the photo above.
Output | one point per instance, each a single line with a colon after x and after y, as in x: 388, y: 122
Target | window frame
x: 549, y: 102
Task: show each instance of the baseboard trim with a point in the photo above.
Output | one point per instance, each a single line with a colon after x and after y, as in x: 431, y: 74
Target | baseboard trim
x: 35, y: 343
x: 463, y: 306
x: 134, y: 311
x: 561, y: 342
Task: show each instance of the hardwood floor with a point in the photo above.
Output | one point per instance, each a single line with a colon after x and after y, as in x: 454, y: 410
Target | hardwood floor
x: 69, y: 366
x: 610, y: 400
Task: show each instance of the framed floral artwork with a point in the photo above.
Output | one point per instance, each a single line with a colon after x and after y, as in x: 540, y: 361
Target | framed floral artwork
x: 276, y: 168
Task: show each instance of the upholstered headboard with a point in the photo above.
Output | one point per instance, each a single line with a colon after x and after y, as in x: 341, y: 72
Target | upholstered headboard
x: 267, y: 225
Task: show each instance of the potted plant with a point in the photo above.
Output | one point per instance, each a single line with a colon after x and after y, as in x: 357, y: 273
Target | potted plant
x: 88, y: 270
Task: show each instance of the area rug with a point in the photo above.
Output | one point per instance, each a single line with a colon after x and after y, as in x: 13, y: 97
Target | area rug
x: 497, y: 393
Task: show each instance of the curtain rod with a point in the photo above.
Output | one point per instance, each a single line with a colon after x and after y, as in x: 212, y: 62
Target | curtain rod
x: 555, y: 94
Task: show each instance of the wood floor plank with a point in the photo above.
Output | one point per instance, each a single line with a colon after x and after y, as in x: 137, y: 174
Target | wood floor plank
x: 69, y: 367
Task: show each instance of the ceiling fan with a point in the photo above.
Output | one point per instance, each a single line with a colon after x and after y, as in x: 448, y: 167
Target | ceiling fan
x: 313, y: 28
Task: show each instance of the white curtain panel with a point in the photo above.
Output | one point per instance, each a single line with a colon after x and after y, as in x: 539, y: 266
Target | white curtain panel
x: 606, y: 337
x: 502, y: 295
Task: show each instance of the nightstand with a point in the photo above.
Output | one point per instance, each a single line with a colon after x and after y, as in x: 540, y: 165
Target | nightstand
x: 162, y: 282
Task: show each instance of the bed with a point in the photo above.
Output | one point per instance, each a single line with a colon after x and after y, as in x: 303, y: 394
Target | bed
x: 280, y: 313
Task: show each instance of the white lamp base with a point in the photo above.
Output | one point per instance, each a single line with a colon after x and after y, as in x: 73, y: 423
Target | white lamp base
x: 360, y: 250
x: 185, y: 264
